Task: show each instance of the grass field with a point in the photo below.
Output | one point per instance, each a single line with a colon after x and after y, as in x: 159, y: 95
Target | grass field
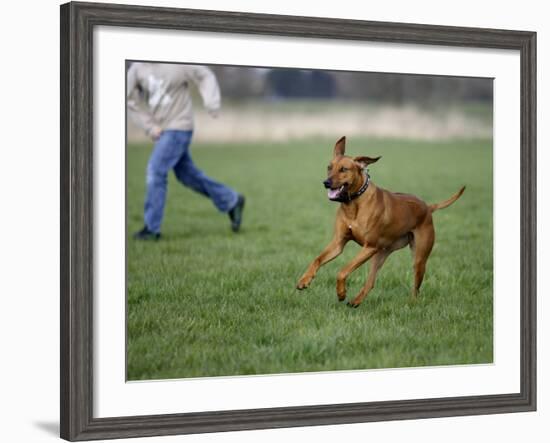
x: 206, y: 302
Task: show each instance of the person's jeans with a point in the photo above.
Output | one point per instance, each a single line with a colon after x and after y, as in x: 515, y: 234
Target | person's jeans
x: 171, y: 151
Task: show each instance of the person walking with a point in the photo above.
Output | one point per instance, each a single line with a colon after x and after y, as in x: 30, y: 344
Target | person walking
x: 159, y: 101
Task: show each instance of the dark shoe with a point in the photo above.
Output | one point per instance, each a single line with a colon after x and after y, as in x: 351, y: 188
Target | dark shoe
x: 236, y: 214
x: 146, y: 234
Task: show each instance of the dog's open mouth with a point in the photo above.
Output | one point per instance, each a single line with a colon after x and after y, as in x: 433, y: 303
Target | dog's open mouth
x: 336, y: 194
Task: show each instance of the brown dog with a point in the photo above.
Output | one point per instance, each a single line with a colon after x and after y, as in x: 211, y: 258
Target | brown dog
x: 380, y: 221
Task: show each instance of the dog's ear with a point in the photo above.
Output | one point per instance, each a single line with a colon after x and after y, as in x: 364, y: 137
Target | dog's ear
x: 340, y: 147
x: 363, y: 161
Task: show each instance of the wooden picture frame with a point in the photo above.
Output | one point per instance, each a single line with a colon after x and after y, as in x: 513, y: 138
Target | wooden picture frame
x: 77, y: 24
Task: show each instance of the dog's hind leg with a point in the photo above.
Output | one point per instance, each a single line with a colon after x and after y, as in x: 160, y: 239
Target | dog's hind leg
x: 424, y: 237
x: 377, y: 261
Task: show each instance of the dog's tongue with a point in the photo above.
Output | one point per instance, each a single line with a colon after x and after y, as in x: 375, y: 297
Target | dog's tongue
x: 333, y: 193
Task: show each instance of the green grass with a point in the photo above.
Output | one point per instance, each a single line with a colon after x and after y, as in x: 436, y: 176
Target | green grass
x: 206, y: 302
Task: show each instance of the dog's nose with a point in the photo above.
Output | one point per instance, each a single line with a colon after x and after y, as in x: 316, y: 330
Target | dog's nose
x: 327, y: 183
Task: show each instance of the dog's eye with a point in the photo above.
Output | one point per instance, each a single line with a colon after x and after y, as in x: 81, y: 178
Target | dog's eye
x: 343, y: 169
x: 329, y: 167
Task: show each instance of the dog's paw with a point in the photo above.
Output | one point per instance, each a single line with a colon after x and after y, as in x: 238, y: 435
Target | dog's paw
x: 303, y: 283
x: 352, y: 305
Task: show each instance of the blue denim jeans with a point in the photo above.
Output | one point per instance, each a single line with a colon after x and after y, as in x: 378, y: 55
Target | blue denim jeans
x: 171, y: 151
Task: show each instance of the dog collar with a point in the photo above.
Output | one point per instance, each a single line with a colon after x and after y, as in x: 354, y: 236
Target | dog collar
x: 361, y: 190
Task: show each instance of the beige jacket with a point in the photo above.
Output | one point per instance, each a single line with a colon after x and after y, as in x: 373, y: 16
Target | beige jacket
x: 158, y: 94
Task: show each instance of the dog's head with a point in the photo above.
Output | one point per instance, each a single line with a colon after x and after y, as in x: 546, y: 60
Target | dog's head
x: 345, y: 174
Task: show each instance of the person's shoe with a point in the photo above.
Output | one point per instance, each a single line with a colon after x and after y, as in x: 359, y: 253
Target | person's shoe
x: 236, y: 214
x: 146, y: 234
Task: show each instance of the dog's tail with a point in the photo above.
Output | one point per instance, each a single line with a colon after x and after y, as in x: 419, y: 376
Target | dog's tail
x: 449, y: 202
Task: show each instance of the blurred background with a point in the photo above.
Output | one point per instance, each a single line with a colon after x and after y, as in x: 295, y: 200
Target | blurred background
x: 275, y: 104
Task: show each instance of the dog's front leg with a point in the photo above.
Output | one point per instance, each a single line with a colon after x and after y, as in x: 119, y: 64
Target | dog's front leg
x: 333, y: 250
x: 364, y: 254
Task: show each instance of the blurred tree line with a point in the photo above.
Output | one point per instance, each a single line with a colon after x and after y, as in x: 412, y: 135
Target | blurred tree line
x: 278, y: 83
x: 242, y: 83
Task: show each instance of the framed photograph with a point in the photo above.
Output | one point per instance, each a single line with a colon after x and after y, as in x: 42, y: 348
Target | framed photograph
x: 232, y: 188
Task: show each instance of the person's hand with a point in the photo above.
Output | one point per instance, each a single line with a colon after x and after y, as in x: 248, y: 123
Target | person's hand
x: 155, y: 132
x: 214, y: 113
